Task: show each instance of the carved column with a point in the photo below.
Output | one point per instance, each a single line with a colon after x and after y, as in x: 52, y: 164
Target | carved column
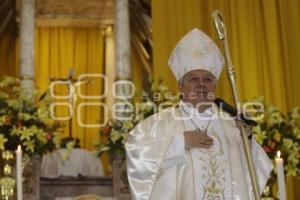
x: 27, y: 13
x: 122, y: 42
x: 123, y: 72
x: 109, y: 66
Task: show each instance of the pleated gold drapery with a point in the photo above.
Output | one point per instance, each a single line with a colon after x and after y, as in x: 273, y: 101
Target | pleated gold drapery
x: 139, y: 75
x: 59, y: 49
x: 263, y: 40
x: 7, y: 54
x: 264, y: 44
x: 56, y: 51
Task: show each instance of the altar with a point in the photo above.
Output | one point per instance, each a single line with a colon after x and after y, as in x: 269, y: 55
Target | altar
x: 67, y: 187
x: 79, y: 174
x: 68, y: 174
x: 73, y: 163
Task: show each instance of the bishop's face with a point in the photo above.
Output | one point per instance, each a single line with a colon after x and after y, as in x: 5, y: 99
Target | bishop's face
x: 198, y: 86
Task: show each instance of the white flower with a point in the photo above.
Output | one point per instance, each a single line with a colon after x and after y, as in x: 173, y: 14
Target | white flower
x: 260, y: 137
x: 15, y: 104
x: 256, y: 129
x: 26, y: 134
x: 3, y: 140
x: 291, y: 170
x: 40, y: 135
x: 296, y: 132
x: 115, y: 135
x: 287, y: 143
x: 8, y: 81
x: 2, y: 120
x: 162, y: 88
x: 56, y: 140
x: 43, y: 114
x: 147, y: 106
x: 26, y: 116
x: 293, y: 158
x: 65, y: 153
x: 70, y: 145
x: 125, y: 138
x: 139, y: 117
x: 295, y: 113
x: 127, y: 125
x: 274, y: 116
x: 29, y: 145
x: 3, y: 95
x: 15, y: 131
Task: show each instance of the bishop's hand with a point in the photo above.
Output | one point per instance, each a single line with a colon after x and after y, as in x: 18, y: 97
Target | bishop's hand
x: 197, y: 139
x: 247, y: 128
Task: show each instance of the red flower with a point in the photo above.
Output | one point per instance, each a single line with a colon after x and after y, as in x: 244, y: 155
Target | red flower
x: 48, y: 136
x: 273, y: 145
x: 267, y: 149
x: 106, y: 130
x: 7, y: 120
x: 19, y: 124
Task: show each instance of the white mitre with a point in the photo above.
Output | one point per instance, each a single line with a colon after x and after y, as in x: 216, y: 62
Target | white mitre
x: 196, y: 51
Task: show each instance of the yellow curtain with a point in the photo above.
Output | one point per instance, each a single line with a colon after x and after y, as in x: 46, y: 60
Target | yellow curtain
x: 59, y: 49
x: 139, y: 75
x: 263, y: 39
x: 7, y: 54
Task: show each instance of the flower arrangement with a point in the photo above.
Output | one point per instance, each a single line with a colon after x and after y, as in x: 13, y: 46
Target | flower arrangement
x: 114, y: 134
x: 279, y: 132
x: 24, y: 120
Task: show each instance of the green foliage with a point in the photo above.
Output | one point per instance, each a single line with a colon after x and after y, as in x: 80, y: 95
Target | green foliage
x: 279, y: 132
x: 25, y: 121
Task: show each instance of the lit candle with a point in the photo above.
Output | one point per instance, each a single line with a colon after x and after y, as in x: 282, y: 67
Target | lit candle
x: 280, y: 177
x: 19, y: 173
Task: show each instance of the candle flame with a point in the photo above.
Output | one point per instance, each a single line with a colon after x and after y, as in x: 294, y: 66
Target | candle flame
x: 278, y: 154
x: 19, y: 148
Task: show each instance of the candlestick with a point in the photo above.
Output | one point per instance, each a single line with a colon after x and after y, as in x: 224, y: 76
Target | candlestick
x: 280, y: 177
x: 19, y: 173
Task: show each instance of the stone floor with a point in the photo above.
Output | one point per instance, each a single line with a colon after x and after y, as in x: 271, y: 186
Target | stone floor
x: 51, y: 188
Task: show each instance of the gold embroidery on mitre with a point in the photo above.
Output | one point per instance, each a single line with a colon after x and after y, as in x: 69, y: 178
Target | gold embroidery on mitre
x: 197, y: 53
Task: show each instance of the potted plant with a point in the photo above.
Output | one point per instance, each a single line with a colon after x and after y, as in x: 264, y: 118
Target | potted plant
x: 25, y: 120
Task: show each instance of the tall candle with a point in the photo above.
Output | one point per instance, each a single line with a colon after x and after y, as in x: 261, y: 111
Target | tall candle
x: 280, y: 177
x: 19, y: 173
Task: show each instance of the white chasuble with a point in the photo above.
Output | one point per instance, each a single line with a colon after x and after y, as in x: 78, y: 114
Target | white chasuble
x: 209, y: 171
x: 159, y: 167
